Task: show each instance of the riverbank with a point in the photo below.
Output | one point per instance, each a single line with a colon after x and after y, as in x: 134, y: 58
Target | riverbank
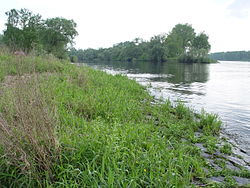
x: 65, y: 125
x: 198, y: 86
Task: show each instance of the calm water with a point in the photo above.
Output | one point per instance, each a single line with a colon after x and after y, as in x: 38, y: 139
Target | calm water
x: 222, y: 88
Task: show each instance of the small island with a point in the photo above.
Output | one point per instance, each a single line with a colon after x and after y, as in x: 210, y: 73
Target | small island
x: 181, y: 44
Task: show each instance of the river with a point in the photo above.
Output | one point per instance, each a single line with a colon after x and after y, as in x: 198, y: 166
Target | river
x: 222, y: 88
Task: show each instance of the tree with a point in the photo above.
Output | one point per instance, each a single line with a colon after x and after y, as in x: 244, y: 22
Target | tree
x: 157, y: 49
x: 198, y: 51
x: 27, y: 31
x: 22, y: 29
x: 173, y: 46
x: 183, y: 43
x: 200, y: 45
x: 57, y: 34
x: 179, y: 40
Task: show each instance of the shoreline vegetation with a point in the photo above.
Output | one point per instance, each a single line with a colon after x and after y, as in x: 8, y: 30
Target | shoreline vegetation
x: 182, y: 43
x: 30, y: 33
x: 231, y: 56
x: 62, y: 125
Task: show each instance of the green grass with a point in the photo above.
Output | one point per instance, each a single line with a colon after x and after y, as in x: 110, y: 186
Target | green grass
x: 21, y: 65
x: 226, y: 148
x: 108, y: 132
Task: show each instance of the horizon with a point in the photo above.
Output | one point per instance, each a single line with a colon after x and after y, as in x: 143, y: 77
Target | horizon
x: 104, y: 24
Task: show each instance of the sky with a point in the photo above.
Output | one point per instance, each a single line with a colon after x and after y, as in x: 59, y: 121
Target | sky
x: 102, y: 23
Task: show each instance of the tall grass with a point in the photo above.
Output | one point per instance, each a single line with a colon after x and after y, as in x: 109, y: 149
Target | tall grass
x: 210, y: 123
x: 27, y: 128
x: 21, y: 65
x: 68, y: 126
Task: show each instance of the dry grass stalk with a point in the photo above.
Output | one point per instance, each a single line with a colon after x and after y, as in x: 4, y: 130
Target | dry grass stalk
x: 79, y: 79
x: 27, y: 128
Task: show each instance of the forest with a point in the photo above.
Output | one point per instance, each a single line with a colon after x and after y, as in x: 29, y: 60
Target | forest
x: 231, y: 56
x: 181, y: 44
x: 30, y: 33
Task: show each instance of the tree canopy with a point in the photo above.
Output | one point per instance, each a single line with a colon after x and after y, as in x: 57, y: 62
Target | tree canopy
x: 181, y: 43
x: 179, y: 40
x: 57, y: 34
x: 27, y: 31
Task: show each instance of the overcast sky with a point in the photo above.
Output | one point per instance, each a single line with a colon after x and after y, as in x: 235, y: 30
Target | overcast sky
x: 102, y: 23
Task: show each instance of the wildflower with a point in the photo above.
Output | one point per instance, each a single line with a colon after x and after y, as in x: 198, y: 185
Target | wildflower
x: 145, y: 170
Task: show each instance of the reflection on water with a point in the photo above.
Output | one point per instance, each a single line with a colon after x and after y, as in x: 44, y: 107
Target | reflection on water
x: 170, y: 72
x: 221, y: 88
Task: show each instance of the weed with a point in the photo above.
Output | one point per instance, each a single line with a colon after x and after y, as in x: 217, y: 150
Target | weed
x: 183, y: 112
x: 226, y: 149
x: 209, y: 123
x: 27, y: 128
x: 111, y: 131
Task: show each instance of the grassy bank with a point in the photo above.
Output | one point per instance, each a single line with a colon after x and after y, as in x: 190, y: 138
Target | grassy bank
x: 68, y: 126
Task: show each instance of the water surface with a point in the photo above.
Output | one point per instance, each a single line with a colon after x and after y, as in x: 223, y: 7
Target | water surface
x: 222, y: 88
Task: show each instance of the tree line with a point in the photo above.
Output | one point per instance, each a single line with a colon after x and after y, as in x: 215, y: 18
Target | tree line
x: 182, y: 44
x: 231, y: 56
x: 27, y: 32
